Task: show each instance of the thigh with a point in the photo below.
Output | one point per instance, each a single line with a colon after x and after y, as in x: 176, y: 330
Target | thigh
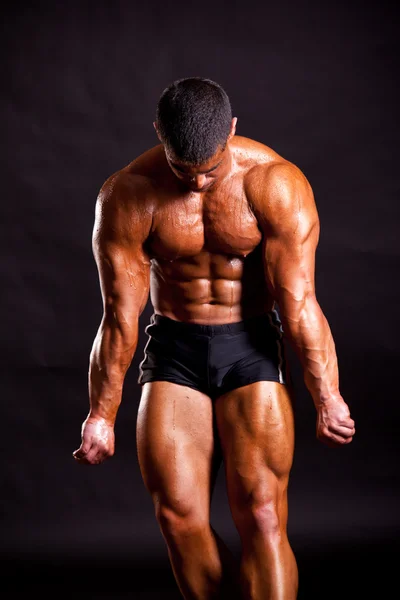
x: 177, y: 452
x: 256, y: 428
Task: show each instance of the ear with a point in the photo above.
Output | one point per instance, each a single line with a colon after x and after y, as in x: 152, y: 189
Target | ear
x: 157, y: 132
x: 233, y: 128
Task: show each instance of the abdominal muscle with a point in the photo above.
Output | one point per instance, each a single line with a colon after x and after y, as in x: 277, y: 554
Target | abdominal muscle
x: 208, y: 289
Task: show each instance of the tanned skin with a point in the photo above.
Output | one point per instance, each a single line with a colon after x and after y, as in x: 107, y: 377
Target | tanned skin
x: 213, y: 243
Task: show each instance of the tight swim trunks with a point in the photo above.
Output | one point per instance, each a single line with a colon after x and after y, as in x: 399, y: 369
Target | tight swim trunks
x: 214, y: 359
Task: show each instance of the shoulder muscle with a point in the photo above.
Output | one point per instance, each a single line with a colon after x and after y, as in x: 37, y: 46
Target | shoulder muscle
x: 283, y: 201
x: 122, y: 212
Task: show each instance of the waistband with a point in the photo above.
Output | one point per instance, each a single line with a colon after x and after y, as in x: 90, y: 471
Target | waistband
x: 209, y: 330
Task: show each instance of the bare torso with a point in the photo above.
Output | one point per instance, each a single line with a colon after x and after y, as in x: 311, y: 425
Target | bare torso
x: 205, y: 248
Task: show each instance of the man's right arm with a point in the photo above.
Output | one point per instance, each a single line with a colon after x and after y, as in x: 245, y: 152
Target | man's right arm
x: 122, y: 225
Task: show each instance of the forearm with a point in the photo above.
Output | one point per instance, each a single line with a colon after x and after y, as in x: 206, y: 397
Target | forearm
x: 110, y: 358
x: 308, y: 332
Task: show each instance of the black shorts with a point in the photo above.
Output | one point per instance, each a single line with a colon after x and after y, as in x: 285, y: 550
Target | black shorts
x: 214, y: 359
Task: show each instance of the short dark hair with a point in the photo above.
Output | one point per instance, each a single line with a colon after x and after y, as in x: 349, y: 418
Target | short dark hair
x: 194, y: 117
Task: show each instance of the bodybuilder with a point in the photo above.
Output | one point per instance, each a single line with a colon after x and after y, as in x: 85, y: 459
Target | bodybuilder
x: 222, y: 232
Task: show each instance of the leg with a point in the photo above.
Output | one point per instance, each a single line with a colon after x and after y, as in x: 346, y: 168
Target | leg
x: 179, y: 464
x: 256, y: 428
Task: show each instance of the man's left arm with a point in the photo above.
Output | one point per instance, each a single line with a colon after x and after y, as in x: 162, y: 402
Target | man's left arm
x: 289, y: 220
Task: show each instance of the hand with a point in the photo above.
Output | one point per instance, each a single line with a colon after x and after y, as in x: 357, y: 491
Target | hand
x: 98, y: 442
x: 335, y: 427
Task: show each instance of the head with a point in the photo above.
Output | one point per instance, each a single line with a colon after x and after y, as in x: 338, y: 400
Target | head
x: 194, y: 123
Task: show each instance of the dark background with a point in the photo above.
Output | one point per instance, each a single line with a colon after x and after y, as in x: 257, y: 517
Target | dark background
x: 318, y: 84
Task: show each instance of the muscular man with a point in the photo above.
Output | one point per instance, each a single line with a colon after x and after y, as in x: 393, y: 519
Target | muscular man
x: 223, y: 232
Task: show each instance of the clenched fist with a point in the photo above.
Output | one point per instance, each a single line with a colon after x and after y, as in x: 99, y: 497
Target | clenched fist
x: 335, y: 427
x: 98, y: 441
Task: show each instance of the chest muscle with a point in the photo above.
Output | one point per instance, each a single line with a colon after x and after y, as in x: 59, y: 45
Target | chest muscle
x: 186, y: 228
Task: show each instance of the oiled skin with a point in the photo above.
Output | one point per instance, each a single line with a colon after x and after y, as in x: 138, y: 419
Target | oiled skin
x: 214, y: 256
x: 204, y: 267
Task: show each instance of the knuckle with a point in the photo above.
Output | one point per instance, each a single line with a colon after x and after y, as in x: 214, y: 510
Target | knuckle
x: 344, y: 441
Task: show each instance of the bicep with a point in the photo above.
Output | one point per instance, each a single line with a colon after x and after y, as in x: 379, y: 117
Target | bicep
x: 118, y: 239
x: 124, y: 275
x: 291, y: 237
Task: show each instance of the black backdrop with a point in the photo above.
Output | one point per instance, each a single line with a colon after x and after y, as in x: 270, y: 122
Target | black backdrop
x: 317, y: 83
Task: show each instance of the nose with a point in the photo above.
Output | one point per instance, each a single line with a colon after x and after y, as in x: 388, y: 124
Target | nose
x: 198, y: 180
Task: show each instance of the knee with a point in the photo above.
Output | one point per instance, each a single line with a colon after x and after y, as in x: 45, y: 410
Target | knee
x: 179, y: 522
x: 262, y: 514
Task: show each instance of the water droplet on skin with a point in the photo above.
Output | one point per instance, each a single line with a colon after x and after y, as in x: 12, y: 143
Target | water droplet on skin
x: 132, y: 279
